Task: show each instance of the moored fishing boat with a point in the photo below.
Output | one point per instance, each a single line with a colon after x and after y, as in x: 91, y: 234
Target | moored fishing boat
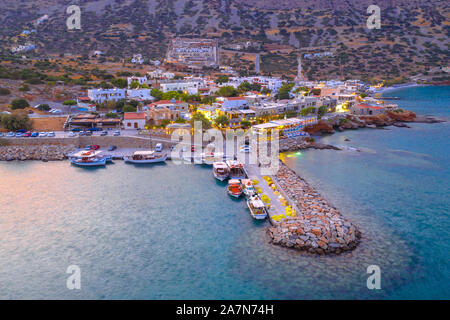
x: 89, y: 158
x: 234, y: 188
x: 220, y: 170
x: 236, y: 169
x: 257, y: 207
x: 249, y: 189
x: 144, y: 157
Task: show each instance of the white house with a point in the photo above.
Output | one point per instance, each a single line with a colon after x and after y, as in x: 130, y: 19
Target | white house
x: 134, y: 120
x: 190, y: 87
x: 233, y: 103
x: 137, y: 59
x: 139, y: 94
x: 158, y: 73
x: 140, y: 80
x: 102, y: 95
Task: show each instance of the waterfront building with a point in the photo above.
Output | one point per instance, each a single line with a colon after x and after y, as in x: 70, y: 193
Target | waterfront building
x: 85, y: 121
x: 134, y: 120
x: 366, y: 109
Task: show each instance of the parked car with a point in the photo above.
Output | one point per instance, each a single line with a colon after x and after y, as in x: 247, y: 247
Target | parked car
x: 27, y: 134
x: 35, y: 134
x: 42, y: 134
x: 94, y: 129
x: 87, y: 148
x: 19, y: 135
x: 72, y: 134
x: 21, y: 131
x: 51, y: 134
x: 76, y: 130
x: 116, y: 133
x: 10, y: 134
x: 104, y: 133
x: 112, y: 148
x: 159, y: 147
x: 1, y: 134
x: 95, y: 147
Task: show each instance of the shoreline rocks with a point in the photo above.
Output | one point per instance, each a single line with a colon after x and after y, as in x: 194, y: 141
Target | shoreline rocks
x: 43, y: 153
x: 318, y: 228
x: 294, y: 144
x: 397, y: 118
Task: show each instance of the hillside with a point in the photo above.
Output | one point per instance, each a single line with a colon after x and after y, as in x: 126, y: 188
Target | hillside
x: 413, y: 40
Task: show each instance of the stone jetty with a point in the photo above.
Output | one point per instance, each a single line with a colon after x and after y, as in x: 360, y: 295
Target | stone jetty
x: 300, y: 143
x: 42, y: 152
x: 318, y: 228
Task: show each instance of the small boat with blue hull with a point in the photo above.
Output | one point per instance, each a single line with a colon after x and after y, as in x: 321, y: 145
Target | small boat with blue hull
x: 249, y: 189
x: 89, y: 158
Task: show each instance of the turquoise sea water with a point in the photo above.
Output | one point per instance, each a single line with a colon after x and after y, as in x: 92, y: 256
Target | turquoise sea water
x: 172, y: 232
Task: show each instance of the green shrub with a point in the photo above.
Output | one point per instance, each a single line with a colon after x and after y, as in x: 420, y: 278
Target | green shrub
x: 19, y: 104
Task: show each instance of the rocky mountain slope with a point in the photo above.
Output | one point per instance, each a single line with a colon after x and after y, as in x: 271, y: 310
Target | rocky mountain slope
x: 413, y: 38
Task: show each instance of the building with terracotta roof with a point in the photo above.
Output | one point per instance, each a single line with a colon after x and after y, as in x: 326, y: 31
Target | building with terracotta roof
x: 134, y: 120
x: 366, y: 109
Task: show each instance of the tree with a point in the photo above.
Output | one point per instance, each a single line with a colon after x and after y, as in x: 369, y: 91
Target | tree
x: 128, y: 108
x: 24, y: 88
x: 157, y: 94
x: 69, y: 103
x: 222, y: 121
x: 16, y: 121
x: 44, y: 107
x: 4, y: 92
x: 165, y: 122
x: 322, y: 110
x: 245, y: 124
x: 304, y: 112
x: 19, y: 104
x: 134, y: 85
x: 227, y: 91
x: 266, y: 91
x: 180, y: 120
x: 111, y: 115
x: 197, y: 116
x: 222, y: 79
x: 119, y: 83
x: 283, y: 92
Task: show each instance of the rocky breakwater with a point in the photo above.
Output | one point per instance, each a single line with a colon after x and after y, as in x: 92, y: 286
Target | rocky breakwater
x: 300, y: 143
x: 318, y: 228
x: 44, y: 153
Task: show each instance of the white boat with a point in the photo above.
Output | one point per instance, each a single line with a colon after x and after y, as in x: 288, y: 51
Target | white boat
x: 257, y: 208
x: 220, y: 170
x: 236, y: 169
x: 234, y: 188
x: 144, y: 157
x: 89, y: 158
x: 249, y: 189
